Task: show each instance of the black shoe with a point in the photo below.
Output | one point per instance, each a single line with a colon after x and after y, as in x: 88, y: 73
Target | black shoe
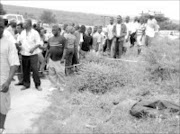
x: 24, y: 88
x: 19, y: 84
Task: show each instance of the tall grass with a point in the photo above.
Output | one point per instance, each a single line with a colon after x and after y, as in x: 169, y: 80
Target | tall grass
x: 98, y: 100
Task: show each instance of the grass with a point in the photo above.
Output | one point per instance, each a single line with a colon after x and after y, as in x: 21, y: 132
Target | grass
x: 99, y: 99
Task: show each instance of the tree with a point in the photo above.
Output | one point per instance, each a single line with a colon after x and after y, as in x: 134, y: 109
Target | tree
x: 48, y: 17
x: 2, y: 11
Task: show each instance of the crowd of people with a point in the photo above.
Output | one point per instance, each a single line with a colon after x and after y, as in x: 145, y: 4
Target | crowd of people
x: 26, y: 48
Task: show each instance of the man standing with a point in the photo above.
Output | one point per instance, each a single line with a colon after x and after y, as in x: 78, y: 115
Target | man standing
x: 110, y: 34
x: 8, y: 65
x: 100, y: 40
x: 95, y: 37
x: 151, y: 28
x: 19, y: 29
x: 134, y: 27
x: 56, y: 54
x: 30, y: 43
x: 119, y: 32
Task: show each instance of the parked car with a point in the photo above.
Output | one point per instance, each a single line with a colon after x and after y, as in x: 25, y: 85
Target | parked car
x: 17, y: 17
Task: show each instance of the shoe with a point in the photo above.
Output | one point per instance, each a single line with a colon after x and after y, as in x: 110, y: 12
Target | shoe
x: 24, y: 88
x: 39, y: 88
x: 19, y: 84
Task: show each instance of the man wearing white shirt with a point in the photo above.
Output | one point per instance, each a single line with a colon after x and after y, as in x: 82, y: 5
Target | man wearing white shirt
x: 151, y: 28
x: 30, y: 43
x: 134, y: 27
x: 110, y: 33
x: 9, y: 62
x: 119, y: 32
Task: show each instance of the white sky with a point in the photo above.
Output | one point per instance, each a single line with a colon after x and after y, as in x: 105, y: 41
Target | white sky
x: 131, y: 8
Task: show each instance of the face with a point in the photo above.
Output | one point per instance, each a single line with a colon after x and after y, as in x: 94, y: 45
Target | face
x: 111, y: 21
x: 26, y: 24
x: 127, y: 19
x: 89, y: 30
x: 42, y: 31
x: 55, y: 30
x: 73, y: 30
x: 100, y: 29
x: 18, y: 29
x: 119, y: 19
x: 95, y: 29
x: 1, y: 27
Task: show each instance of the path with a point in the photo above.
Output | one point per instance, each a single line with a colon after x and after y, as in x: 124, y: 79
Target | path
x: 25, y: 106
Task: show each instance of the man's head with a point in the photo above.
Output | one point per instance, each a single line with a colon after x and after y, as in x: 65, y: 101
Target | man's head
x: 12, y: 24
x: 99, y: 29
x: 19, y: 28
x: 55, y: 30
x: 95, y: 29
x: 111, y: 20
x: 136, y: 19
x: 89, y: 30
x: 119, y: 19
x: 1, y: 27
x: 65, y: 26
x: 83, y: 29
x: 28, y: 24
x: 6, y: 22
x: 70, y: 29
x: 77, y: 27
x: 127, y: 19
x: 151, y: 15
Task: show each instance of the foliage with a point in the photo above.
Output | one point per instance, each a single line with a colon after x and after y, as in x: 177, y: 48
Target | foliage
x: 48, y: 17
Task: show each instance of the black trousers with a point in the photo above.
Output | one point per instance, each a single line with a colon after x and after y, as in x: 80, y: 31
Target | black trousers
x: 30, y: 63
x: 2, y: 120
x: 132, y: 39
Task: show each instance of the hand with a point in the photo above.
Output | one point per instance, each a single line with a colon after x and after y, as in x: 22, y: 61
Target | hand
x: 62, y: 61
x: 5, y: 87
x: 32, y: 50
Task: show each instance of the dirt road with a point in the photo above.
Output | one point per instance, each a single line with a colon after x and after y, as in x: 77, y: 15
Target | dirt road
x: 25, y: 106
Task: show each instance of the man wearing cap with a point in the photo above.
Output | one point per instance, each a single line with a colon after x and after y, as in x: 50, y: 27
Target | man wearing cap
x: 119, y: 32
x: 9, y: 63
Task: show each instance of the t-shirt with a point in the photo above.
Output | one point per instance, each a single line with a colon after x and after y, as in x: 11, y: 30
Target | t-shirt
x: 118, y: 29
x: 140, y: 30
x: 95, y: 37
x: 56, y: 47
x: 110, y: 31
x: 70, y: 40
x: 87, y: 42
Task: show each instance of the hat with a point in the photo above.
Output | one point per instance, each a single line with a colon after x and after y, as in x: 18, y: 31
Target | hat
x: 151, y: 13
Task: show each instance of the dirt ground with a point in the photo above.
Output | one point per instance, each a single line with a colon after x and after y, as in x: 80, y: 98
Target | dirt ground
x: 25, y: 106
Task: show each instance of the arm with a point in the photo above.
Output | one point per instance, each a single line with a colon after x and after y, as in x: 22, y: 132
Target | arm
x: 13, y: 60
x: 64, y: 51
x: 39, y: 43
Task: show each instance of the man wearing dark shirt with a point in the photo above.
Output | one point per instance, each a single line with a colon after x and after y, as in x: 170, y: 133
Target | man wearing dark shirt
x: 87, y: 41
x: 56, y: 45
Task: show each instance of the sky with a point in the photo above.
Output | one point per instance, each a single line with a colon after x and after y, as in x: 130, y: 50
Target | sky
x: 132, y: 8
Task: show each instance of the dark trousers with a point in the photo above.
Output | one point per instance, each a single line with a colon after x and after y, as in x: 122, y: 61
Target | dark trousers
x: 20, y: 72
x: 148, y: 40
x: 133, y: 39
x: 109, y: 43
x: 30, y: 63
x: 2, y: 120
x: 117, y: 48
x: 68, y: 62
x: 75, y: 59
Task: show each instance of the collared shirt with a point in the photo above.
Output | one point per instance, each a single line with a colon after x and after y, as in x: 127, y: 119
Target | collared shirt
x: 110, y: 31
x: 95, y: 37
x: 8, y: 57
x: 9, y: 35
x: 134, y: 27
x: 151, y: 27
x: 28, y: 41
x: 118, y: 29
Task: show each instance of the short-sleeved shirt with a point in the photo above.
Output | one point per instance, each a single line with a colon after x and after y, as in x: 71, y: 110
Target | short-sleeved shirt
x: 110, y: 31
x: 56, y: 47
x: 87, y: 42
x: 100, y: 38
x: 70, y: 41
x: 8, y: 57
x: 95, y: 37
x: 28, y: 41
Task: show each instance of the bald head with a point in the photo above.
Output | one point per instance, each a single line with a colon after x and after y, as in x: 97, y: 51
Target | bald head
x: 119, y: 19
x: 28, y: 24
x: 55, y: 30
x: 111, y: 20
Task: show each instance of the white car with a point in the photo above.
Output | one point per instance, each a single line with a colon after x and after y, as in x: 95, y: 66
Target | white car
x: 18, y: 18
